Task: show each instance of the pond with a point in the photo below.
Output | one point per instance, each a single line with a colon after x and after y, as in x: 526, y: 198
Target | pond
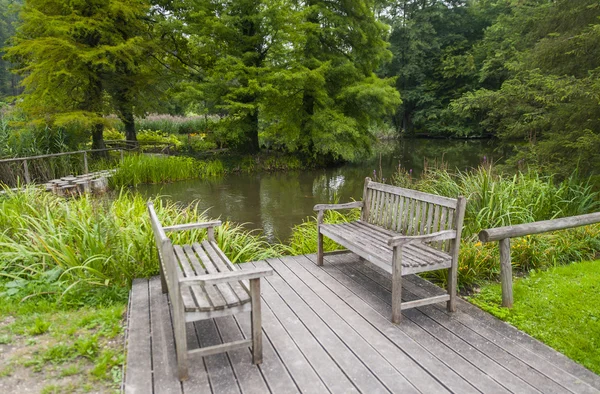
x: 276, y: 202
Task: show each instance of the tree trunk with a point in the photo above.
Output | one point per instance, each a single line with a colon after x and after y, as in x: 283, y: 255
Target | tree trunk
x: 98, y: 140
x: 129, y: 123
x: 250, y: 139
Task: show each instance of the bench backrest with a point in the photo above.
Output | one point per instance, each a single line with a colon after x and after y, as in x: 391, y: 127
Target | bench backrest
x: 407, y: 211
x: 166, y: 256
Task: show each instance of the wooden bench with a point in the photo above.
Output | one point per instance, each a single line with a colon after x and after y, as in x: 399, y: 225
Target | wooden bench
x: 202, y: 284
x: 404, y: 232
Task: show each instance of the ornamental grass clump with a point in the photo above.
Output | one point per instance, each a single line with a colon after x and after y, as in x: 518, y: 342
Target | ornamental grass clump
x: 137, y: 169
x: 54, y: 246
x: 496, y: 200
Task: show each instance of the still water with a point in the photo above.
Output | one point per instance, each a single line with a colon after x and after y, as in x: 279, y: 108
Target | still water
x: 275, y: 202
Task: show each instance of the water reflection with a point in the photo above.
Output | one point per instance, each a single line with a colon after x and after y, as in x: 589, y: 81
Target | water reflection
x: 274, y: 203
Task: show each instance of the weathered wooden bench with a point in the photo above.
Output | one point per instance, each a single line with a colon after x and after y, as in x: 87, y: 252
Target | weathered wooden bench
x: 202, y: 284
x: 404, y: 232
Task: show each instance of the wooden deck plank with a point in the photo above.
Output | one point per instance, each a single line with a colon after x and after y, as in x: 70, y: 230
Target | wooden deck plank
x: 541, y: 373
x: 327, y: 329
x: 164, y: 362
x: 410, y: 371
x: 351, y: 365
x: 453, y: 360
x: 220, y: 373
x: 472, y: 351
x: 248, y: 375
x: 328, y: 371
x: 349, y: 331
x: 139, y: 367
x: 470, y: 314
x: 198, y: 381
x: 342, y: 287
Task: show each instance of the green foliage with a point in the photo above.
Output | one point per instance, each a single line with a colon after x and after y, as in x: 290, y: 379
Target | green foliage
x: 52, y: 247
x: 544, y: 58
x: 558, y: 306
x: 72, y: 54
x: 137, y: 169
x: 158, y: 136
x: 496, y: 200
x: 433, y: 59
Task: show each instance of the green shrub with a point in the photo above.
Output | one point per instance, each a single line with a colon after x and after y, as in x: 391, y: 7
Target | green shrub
x: 158, y: 137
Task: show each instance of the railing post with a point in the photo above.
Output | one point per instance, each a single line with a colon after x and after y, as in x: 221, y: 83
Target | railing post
x: 85, y: 163
x: 506, y: 273
x: 26, y: 169
x: 121, y: 150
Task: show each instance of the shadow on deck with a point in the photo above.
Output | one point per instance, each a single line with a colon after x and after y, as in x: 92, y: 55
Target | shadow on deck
x: 328, y: 329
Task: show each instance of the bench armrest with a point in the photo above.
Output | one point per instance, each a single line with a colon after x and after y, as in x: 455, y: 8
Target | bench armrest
x: 191, y: 226
x: 402, y: 240
x: 349, y: 205
x: 224, y: 277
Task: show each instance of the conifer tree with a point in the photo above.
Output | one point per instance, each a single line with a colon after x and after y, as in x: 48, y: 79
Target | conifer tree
x: 67, y: 50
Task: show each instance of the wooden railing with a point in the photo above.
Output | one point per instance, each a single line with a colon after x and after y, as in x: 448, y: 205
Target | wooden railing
x: 26, y: 160
x: 504, y: 234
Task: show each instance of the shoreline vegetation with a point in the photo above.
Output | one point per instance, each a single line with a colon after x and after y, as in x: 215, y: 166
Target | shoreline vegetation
x: 61, y: 255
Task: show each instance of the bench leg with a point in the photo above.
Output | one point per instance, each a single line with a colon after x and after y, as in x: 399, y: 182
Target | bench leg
x: 163, y: 280
x: 397, y: 286
x: 256, y: 321
x: 180, y: 339
x: 452, y: 279
x: 320, y: 249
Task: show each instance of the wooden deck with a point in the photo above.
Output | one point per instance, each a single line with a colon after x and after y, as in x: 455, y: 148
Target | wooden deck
x: 328, y: 329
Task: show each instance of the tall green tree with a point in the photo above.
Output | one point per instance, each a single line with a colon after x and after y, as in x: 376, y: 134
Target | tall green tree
x: 551, y: 85
x: 434, y: 61
x: 67, y: 50
x: 325, y: 94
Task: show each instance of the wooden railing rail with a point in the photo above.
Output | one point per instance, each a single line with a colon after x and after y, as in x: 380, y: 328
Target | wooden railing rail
x: 504, y: 234
x: 26, y: 160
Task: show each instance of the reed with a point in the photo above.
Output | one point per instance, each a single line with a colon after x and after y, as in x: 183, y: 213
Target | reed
x: 58, y: 247
x: 138, y: 169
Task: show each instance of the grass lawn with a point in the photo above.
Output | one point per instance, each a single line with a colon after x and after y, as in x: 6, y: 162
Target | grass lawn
x: 47, y: 349
x: 560, y: 307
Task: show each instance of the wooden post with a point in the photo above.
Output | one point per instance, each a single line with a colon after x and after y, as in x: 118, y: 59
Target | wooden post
x: 26, y: 169
x: 86, y: 170
x: 121, y: 150
x: 211, y: 233
x: 506, y: 273
x: 397, y: 285
x: 319, y: 238
x: 256, y: 321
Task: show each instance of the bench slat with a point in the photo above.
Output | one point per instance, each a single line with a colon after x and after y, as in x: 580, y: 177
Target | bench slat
x: 186, y: 294
x: 243, y: 290
x: 418, y: 253
x: 414, y: 194
x: 207, y: 257
x: 214, y: 295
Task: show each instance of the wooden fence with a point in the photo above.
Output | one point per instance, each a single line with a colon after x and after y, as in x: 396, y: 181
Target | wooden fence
x: 26, y: 160
x: 504, y: 234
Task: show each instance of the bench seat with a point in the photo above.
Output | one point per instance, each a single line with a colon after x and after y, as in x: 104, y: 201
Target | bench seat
x: 206, y: 258
x: 371, y: 243
x: 404, y: 232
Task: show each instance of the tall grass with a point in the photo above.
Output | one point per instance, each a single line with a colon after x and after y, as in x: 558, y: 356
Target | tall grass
x: 49, y: 245
x: 138, y: 169
x: 496, y: 200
